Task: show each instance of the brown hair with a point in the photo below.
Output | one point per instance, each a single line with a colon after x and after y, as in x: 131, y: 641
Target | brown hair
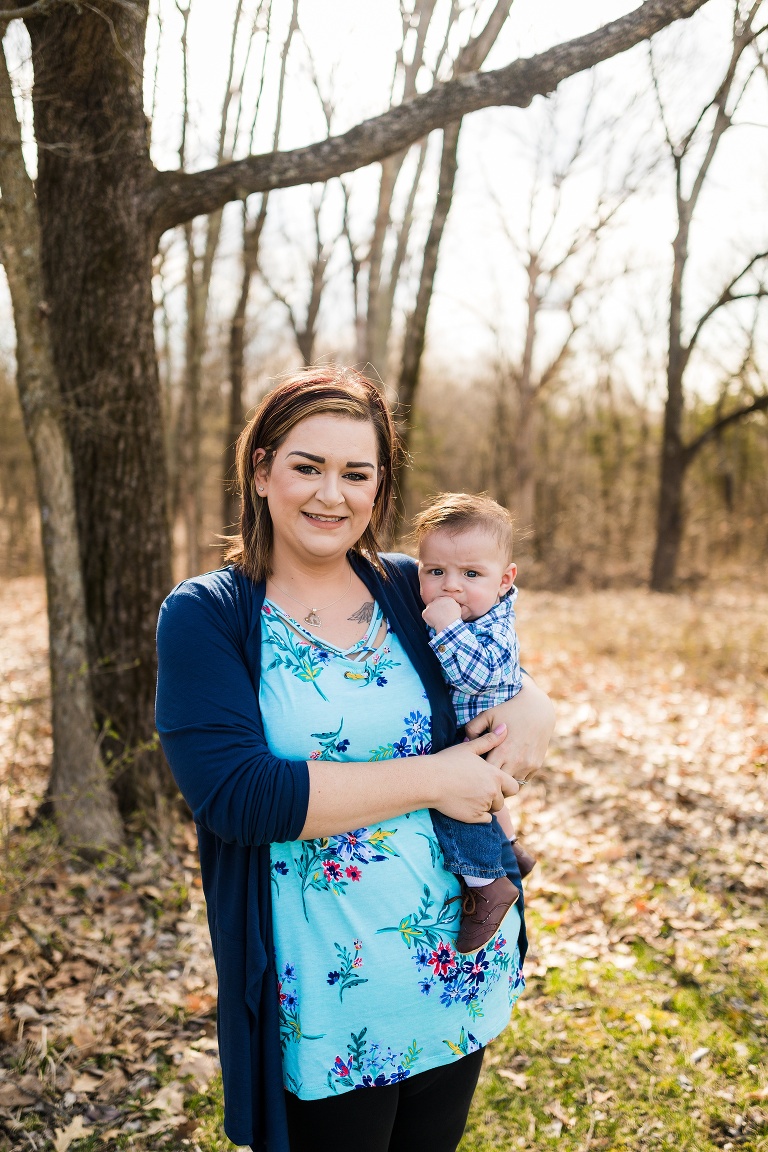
x: 456, y: 512
x: 311, y: 391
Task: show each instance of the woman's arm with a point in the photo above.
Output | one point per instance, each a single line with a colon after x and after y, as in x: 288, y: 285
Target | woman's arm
x: 457, y: 781
x: 211, y: 731
x: 530, y: 721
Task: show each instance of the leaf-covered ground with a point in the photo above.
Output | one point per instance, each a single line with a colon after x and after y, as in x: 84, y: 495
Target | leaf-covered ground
x: 645, y: 1020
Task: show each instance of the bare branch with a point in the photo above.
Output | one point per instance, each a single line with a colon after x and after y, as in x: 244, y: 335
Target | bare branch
x: 727, y: 296
x: 38, y: 9
x: 759, y: 404
x: 742, y: 39
x: 178, y: 196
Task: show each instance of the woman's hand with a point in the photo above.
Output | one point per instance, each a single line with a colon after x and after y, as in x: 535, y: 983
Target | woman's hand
x: 470, y: 788
x: 530, y: 721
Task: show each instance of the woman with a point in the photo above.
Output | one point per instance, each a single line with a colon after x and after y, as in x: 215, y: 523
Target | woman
x: 295, y: 688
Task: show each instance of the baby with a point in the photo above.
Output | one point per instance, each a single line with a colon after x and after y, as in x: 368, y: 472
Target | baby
x: 466, y: 577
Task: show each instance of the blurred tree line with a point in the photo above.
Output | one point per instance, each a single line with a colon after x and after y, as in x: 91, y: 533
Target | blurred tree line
x: 596, y: 480
x: 131, y: 402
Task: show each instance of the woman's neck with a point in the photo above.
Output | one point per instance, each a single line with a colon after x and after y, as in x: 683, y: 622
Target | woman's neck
x: 315, y: 572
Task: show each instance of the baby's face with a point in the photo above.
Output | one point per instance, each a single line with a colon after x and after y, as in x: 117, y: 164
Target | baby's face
x: 468, y: 567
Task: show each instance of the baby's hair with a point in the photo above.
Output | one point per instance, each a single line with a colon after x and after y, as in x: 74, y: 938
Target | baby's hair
x: 457, y: 512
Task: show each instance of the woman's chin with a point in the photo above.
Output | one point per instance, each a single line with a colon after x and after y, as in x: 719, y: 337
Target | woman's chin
x: 326, y: 545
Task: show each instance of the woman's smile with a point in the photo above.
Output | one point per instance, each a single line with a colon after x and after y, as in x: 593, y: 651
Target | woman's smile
x: 325, y: 521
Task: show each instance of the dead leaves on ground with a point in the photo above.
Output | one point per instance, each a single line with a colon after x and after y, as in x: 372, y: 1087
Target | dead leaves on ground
x: 112, y: 1022
x: 649, y: 824
x: 652, y: 814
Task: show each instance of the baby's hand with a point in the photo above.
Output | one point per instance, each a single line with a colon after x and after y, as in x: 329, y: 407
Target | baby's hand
x: 442, y: 612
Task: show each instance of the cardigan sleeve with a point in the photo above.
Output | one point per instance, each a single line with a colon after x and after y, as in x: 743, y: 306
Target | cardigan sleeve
x: 210, y: 727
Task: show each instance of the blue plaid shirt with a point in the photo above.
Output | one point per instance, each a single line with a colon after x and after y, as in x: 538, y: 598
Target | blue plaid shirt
x: 480, y: 659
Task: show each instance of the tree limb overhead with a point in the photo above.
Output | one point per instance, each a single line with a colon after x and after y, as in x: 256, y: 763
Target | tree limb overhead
x: 179, y: 196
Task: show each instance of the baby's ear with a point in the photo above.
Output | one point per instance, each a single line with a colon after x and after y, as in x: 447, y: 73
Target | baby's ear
x: 508, y: 578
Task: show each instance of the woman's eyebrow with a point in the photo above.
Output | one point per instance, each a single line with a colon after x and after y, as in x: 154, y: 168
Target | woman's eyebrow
x: 321, y: 460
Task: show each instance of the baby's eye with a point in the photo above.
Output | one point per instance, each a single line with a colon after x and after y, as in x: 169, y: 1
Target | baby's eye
x: 471, y: 573
x: 434, y: 571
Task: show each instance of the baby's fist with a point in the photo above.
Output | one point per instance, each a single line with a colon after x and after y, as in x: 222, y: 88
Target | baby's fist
x: 442, y: 612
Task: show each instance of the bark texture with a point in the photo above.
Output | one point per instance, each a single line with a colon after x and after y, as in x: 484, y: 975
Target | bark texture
x: 93, y: 184
x: 83, y: 803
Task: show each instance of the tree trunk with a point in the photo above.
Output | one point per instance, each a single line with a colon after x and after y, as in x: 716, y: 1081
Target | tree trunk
x: 83, y: 803
x: 523, y: 499
x: 94, y: 176
x: 231, y: 504
x: 669, y: 517
x: 189, y: 423
x: 416, y: 326
x: 251, y: 241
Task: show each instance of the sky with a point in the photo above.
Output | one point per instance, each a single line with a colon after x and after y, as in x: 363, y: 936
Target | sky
x: 477, y: 311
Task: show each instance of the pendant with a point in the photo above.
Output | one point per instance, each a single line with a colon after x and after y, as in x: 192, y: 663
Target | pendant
x: 313, y: 619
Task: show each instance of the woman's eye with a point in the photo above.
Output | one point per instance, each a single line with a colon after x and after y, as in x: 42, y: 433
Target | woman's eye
x: 356, y: 476
x: 306, y: 469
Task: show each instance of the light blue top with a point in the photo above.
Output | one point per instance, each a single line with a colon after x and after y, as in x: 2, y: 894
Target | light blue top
x: 371, y: 988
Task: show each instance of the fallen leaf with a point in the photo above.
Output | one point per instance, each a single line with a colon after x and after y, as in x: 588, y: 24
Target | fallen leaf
x: 63, y: 1137
x: 760, y: 1094
x: 169, y: 1099
x: 25, y: 1011
x: 556, y: 1109
x: 83, y: 1036
x: 202, y: 1005
x: 200, y: 1067
x: 15, y: 1096
x: 85, y: 1082
x: 518, y: 1079
x: 112, y: 1084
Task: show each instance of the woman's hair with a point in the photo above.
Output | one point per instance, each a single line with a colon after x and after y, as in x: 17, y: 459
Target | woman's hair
x: 457, y: 512
x: 316, y: 391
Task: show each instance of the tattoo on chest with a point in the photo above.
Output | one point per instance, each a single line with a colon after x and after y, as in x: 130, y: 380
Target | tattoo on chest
x: 364, y: 615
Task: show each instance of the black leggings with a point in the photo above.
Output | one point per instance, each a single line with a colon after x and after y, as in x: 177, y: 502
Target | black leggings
x: 427, y: 1111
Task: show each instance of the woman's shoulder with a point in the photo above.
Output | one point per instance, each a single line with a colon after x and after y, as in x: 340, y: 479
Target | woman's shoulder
x: 399, y: 566
x: 224, y: 592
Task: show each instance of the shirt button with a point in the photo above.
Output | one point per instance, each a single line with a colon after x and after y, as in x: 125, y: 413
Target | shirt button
x: 441, y: 647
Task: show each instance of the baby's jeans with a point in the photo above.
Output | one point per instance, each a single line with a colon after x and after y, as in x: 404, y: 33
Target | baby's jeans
x: 470, y: 849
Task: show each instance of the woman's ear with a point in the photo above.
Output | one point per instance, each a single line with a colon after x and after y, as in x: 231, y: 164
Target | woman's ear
x: 260, y: 470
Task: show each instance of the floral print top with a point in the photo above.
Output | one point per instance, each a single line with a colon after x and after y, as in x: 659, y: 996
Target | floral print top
x: 371, y: 987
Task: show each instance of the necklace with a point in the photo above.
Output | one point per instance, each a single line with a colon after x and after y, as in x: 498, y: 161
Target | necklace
x: 312, y: 617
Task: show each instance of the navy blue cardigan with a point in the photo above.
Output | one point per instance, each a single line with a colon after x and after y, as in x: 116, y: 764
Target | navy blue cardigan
x: 243, y: 799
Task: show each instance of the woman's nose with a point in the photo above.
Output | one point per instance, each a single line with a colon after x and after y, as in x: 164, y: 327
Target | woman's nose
x: 328, y: 491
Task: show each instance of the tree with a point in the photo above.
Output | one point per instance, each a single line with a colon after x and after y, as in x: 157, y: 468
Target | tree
x: 563, y: 281
x: 79, y: 788
x: 692, y: 156
x: 102, y: 208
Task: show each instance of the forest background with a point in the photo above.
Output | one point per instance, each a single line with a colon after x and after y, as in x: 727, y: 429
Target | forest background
x: 565, y: 301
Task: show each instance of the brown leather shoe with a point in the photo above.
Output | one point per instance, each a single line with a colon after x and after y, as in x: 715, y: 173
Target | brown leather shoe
x: 482, y: 912
x: 525, y: 861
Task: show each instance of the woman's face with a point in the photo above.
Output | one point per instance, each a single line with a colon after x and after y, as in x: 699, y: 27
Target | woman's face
x: 320, y: 487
